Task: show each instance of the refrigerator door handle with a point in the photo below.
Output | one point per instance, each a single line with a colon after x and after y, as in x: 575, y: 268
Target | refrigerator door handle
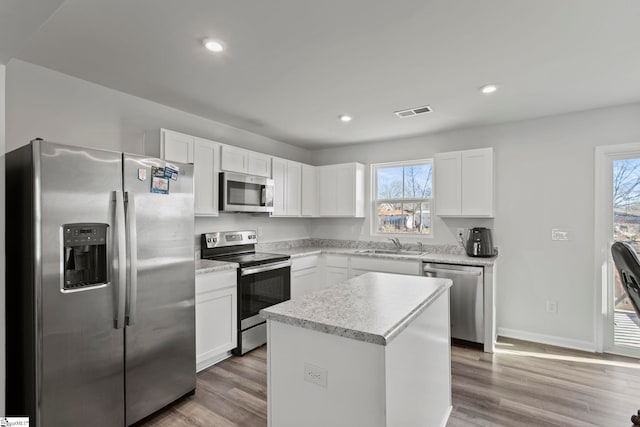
x: 119, y: 273
x: 132, y: 264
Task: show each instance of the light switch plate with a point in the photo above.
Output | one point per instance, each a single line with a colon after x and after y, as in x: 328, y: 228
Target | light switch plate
x: 557, y: 234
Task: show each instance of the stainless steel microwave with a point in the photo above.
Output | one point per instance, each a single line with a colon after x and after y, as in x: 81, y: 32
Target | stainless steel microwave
x: 245, y: 193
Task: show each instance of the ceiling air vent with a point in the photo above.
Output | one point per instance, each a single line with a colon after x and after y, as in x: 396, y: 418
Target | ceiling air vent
x: 413, y: 111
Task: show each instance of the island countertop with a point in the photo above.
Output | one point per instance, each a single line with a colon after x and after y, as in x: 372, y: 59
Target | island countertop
x: 373, y: 307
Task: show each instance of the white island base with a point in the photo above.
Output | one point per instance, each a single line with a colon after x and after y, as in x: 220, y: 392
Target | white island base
x: 403, y: 382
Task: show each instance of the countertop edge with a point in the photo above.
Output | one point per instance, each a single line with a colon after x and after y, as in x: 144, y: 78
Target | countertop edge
x: 348, y: 333
x: 211, y: 266
x: 412, y: 315
x: 325, y: 328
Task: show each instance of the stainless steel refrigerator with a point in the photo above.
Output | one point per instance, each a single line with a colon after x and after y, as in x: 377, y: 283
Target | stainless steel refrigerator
x: 99, y: 286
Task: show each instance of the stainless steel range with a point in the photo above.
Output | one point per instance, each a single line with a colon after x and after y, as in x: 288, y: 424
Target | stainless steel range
x: 264, y: 279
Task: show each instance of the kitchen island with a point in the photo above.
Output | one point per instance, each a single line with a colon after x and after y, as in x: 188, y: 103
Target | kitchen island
x: 373, y: 351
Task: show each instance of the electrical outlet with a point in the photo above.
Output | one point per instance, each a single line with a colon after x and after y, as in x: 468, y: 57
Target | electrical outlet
x: 315, y: 374
x: 552, y: 306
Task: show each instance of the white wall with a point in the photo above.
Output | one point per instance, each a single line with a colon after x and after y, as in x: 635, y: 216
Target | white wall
x: 57, y: 107
x: 2, y: 255
x: 545, y: 179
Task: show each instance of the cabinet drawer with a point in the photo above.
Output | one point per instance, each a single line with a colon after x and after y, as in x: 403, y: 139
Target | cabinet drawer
x: 304, y: 262
x: 214, y: 281
x: 337, y: 261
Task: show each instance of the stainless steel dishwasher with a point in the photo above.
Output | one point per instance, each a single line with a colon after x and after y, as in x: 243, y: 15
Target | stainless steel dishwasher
x: 467, y: 298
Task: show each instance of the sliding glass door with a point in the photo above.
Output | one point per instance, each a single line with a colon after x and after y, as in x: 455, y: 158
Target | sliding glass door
x: 617, y: 219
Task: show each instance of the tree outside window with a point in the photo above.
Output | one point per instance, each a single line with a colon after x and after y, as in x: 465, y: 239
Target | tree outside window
x: 402, y: 197
x: 626, y: 215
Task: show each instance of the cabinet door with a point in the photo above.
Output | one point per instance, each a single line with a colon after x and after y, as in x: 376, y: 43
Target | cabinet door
x: 328, y: 186
x: 304, y: 281
x: 344, y: 190
x: 205, y: 172
x: 294, y: 177
x: 279, y: 172
x: 341, y: 190
x: 233, y: 159
x: 448, y: 197
x: 216, y: 326
x: 258, y: 164
x: 176, y: 146
x: 309, y: 193
x: 477, y: 182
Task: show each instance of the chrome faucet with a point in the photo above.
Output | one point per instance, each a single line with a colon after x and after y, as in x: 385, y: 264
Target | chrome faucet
x: 396, y: 242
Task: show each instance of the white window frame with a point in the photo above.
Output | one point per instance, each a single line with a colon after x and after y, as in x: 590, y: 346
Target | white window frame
x: 374, y: 201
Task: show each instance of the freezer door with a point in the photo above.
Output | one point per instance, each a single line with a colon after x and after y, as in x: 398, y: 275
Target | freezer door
x: 80, y: 352
x: 160, y: 335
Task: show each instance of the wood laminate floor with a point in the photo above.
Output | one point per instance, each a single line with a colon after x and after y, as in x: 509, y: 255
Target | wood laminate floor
x: 522, y: 384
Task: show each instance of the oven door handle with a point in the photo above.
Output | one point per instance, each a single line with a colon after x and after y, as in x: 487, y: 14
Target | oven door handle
x: 264, y: 267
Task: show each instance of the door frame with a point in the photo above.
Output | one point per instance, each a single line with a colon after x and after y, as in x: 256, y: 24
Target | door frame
x: 603, y: 223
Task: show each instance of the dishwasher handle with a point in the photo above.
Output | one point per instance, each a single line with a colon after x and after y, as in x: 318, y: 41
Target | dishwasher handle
x: 452, y: 271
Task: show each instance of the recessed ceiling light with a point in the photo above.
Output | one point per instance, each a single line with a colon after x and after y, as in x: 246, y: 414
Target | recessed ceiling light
x: 213, y: 45
x: 487, y: 89
x: 345, y: 118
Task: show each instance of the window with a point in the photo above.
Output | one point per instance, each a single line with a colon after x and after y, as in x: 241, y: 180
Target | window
x: 402, y: 197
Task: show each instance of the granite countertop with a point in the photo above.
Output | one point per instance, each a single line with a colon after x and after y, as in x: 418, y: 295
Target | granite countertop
x: 298, y: 252
x: 209, y: 266
x: 373, y: 307
x: 446, y: 258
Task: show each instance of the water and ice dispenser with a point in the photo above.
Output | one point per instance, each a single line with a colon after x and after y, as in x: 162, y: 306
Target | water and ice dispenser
x: 85, y: 255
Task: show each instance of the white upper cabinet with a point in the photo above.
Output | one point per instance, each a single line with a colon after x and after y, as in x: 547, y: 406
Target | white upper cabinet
x: 239, y: 160
x: 287, y: 178
x: 259, y: 164
x: 309, y: 193
x: 464, y: 183
x: 294, y: 186
x: 341, y: 190
x: 176, y: 146
x: 205, y: 181
x: 204, y: 154
x: 233, y: 159
x: 448, y: 183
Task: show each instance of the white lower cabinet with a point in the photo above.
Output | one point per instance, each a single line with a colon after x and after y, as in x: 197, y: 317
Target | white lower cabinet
x: 304, y: 275
x: 216, y: 317
x: 314, y: 272
x: 336, y: 269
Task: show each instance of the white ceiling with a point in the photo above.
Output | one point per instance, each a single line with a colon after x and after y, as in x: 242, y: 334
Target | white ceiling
x: 292, y: 66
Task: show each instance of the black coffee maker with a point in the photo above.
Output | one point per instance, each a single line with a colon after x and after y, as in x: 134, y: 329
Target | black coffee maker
x: 479, y: 242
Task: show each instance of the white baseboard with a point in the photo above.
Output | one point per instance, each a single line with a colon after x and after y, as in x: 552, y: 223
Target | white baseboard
x: 548, y: 339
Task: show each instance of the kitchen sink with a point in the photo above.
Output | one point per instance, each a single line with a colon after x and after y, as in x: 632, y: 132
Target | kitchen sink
x: 389, y: 251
